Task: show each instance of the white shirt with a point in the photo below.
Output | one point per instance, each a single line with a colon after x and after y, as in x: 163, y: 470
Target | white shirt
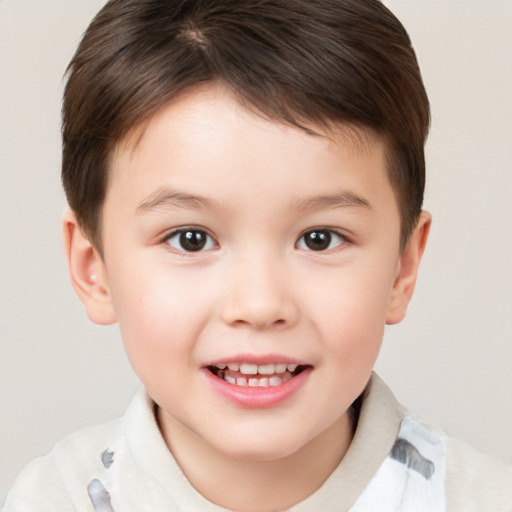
x: 394, y: 463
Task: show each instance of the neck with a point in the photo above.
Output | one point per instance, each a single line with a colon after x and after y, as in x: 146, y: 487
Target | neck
x: 259, y: 485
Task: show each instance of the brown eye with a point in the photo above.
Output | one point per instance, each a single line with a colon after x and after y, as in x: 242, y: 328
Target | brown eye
x: 190, y: 240
x: 320, y: 240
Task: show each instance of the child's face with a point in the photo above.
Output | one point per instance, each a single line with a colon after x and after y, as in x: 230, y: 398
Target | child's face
x: 229, y: 239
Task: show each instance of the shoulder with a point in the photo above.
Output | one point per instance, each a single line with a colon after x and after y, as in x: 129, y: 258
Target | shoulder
x: 39, y: 482
x: 475, y: 481
x: 60, y: 479
x: 125, y: 460
x: 472, y: 481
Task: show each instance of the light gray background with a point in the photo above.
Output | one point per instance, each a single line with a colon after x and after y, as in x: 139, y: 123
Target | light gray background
x: 450, y: 361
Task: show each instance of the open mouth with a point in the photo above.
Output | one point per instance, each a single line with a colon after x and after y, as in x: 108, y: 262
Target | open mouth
x: 254, y: 375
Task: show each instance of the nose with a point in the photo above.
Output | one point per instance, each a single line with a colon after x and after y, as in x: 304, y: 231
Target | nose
x: 259, y: 295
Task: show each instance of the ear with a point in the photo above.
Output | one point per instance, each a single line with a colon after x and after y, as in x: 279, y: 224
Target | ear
x: 87, y: 272
x: 407, y: 273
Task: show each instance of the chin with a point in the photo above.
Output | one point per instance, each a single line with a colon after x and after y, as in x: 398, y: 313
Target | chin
x: 262, y: 449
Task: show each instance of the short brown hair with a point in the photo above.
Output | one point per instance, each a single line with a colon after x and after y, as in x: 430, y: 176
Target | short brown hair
x: 320, y: 62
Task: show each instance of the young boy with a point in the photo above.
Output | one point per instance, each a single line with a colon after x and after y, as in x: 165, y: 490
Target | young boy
x: 245, y: 182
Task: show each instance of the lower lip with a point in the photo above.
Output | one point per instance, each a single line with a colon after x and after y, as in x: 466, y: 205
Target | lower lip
x: 257, y: 397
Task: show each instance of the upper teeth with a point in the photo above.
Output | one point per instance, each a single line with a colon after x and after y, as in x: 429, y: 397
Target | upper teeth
x: 262, y: 369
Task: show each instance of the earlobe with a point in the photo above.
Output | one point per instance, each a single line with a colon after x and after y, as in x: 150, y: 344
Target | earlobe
x: 410, y: 258
x: 87, y: 272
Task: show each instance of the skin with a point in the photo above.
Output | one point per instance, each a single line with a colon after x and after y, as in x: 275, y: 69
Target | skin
x: 257, y: 289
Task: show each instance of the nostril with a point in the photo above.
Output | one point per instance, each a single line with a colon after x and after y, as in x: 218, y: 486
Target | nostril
x: 259, y: 322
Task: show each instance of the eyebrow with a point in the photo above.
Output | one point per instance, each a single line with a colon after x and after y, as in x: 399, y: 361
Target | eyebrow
x: 165, y: 198
x: 342, y: 199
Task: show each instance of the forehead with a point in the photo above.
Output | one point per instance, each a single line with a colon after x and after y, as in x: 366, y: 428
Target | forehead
x: 206, y: 134
x: 202, y: 107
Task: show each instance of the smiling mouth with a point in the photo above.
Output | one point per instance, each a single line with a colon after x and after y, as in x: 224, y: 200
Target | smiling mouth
x: 253, y: 375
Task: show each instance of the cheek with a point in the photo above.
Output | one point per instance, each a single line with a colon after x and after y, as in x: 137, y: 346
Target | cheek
x: 159, y: 317
x: 350, y: 320
x: 350, y: 310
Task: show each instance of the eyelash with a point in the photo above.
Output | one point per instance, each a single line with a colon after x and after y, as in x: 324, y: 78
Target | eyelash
x: 332, y: 233
x: 209, y: 243
x: 177, y: 234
